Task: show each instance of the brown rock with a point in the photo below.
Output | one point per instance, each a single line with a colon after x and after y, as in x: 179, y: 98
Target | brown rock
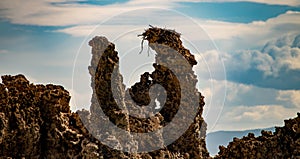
x: 36, y: 121
x: 284, y: 143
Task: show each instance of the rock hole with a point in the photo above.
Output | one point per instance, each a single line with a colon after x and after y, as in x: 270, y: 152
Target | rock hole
x: 157, y: 103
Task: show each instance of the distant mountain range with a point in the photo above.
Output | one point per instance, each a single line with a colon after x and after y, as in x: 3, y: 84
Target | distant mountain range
x: 214, y: 139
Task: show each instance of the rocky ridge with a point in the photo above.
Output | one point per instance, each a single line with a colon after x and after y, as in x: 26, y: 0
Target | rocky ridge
x: 283, y: 143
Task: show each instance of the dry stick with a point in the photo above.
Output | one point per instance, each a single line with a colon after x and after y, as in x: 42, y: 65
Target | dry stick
x: 142, y: 48
x: 142, y: 44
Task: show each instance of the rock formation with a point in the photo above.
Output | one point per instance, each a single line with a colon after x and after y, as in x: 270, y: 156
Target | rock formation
x: 127, y: 109
x: 36, y: 121
x: 284, y: 143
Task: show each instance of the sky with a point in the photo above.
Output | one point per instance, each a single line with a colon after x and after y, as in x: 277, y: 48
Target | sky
x: 248, y: 52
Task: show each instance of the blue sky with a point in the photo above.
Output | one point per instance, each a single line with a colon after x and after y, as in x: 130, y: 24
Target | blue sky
x: 248, y: 51
x: 243, y: 12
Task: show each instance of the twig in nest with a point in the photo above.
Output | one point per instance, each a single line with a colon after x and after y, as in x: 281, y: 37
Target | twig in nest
x: 142, y: 46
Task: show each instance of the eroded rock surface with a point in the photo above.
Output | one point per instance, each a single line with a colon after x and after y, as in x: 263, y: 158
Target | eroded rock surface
x: 284, y: 143
x: 173, y: 72
x: 36, y: 121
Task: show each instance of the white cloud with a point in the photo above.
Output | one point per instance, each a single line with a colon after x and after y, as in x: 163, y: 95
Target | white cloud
x: 3, y: 51
x: 252, y: 59
x: 219, y: 95
x: 290, y: 96
x: 235, y: 90
x: 285, y: 55
x: 260, y: 116
x: 272, y: 28
x: 246, y: 106
x: 79, y: 31
x: 278, y: 59
x: 275, y: 2
x: 226, y: 30
x: 236, y: 93
x: 46, y: 14
x: 210, y: 65
x: 256, y: 113
x: 85, y: 17
x: 111, y: 32
x: 229, y: 36
x: 278, y: 2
